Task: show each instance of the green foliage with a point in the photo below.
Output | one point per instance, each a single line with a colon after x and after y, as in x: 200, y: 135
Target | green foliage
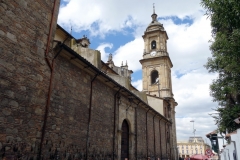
x: 225, y: 60
x: 225, y: 118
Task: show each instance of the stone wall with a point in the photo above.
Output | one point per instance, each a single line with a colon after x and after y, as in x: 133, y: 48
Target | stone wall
x: 159, y: 149
x: 24, y: 74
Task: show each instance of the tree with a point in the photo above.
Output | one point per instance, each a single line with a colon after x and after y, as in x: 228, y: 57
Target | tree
x: 225, y: 60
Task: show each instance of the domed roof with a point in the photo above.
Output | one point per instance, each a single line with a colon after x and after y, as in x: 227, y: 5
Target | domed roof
x: 155, y: 25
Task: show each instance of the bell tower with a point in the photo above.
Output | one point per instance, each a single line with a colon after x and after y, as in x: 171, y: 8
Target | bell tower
x: 156, y: 63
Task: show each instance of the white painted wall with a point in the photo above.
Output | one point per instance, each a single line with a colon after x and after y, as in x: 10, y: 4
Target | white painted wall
x: 227, y: 153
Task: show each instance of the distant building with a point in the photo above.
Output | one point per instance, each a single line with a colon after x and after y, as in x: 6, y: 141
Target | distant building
x: 194, y: 145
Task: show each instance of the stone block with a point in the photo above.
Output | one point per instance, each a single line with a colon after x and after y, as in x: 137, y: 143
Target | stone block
x: 38, y: 111
x: 6, y: 111
x: 2, y: 33
x: 12, y: 37
x: 14, y: 104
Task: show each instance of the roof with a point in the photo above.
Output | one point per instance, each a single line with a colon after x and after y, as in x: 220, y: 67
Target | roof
x: 155, y: 23
x: 69, y: 35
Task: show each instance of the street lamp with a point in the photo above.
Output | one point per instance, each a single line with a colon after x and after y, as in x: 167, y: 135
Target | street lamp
x: 157, y: 82
x: 194, y: 130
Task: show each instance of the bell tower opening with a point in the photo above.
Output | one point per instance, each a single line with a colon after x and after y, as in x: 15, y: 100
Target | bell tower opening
x: 154, y: 77
x: 153, y: 44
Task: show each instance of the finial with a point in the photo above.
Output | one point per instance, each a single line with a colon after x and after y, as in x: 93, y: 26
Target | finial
x: 122, y: 63
x: 71, y: 30
x: 110, y: 57
x: 126, y: 63
x: 153, y: 8
x: 154, y: 15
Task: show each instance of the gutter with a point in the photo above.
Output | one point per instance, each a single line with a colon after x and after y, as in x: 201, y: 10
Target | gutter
x: 51, y: 66
x: 147, y: 133
x: 114, y: 123
x: 136, y: 133
x: 154, y: 137
x: 89, y: 115
x: 166, y: 139
x: 160, y: 137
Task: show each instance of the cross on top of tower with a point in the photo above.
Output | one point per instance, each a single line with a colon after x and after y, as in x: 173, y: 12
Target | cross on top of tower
x: 153, y: 8
x: 154, y: 15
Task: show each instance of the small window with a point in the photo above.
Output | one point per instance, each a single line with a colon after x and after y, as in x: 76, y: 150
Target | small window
x: 154, y: 77
x: 153, y: 44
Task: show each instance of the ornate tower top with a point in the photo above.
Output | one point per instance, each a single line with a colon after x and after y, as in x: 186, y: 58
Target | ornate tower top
x: 155, y: 39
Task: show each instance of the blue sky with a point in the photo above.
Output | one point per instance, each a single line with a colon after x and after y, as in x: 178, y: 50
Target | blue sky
x: 117, y: 27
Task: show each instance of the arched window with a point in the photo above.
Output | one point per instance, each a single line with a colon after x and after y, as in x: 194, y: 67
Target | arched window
x: 154, y: 77
x: 125, y: 141
x: 153, y: 45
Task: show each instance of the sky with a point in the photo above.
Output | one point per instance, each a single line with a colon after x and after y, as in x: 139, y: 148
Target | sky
x: 117, y: 27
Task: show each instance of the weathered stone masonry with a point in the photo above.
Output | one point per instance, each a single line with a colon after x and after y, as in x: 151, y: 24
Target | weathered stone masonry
x: 24, y: 75
x: 26, y: 132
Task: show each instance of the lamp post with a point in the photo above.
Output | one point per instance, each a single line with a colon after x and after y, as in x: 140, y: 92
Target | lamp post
x: 194, y: 130
x: 157, y: 81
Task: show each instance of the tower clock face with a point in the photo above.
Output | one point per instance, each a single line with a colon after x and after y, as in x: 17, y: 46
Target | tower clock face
x: 153, y: 53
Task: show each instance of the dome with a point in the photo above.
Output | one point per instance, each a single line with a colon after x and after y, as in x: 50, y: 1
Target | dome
x: 154, y: 25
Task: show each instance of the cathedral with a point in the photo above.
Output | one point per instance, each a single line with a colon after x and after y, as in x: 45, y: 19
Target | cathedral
x: 59, y: 100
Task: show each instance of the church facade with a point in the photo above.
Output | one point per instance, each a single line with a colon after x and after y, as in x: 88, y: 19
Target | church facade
x: 59, y: 100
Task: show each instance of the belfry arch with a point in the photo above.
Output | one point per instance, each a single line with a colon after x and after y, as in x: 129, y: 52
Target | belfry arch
x: 153, y: 44
x: 154, y: 77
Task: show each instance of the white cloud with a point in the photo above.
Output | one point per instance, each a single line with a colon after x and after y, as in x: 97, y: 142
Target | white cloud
x: 116, y: 15
x: 188, y: 45
x: 131, y: 52
x: 188, y: 48
x: 101, y: 48
x: 137, y: 84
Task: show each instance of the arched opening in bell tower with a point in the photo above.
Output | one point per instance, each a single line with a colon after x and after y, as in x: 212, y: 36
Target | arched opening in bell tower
x: 153, y: 45
x: 154, y: 77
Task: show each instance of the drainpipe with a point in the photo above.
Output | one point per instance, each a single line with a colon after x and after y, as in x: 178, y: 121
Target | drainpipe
x: 147, y: 133
x: 136, y: 130
x: 50, y: 83
x: 170, y: 144
x: 166, y: 139
x: 160, y: 137
x: 114, y: 123
x: 90, y: 112
x: 154, y: 137
x: 48, y: 102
